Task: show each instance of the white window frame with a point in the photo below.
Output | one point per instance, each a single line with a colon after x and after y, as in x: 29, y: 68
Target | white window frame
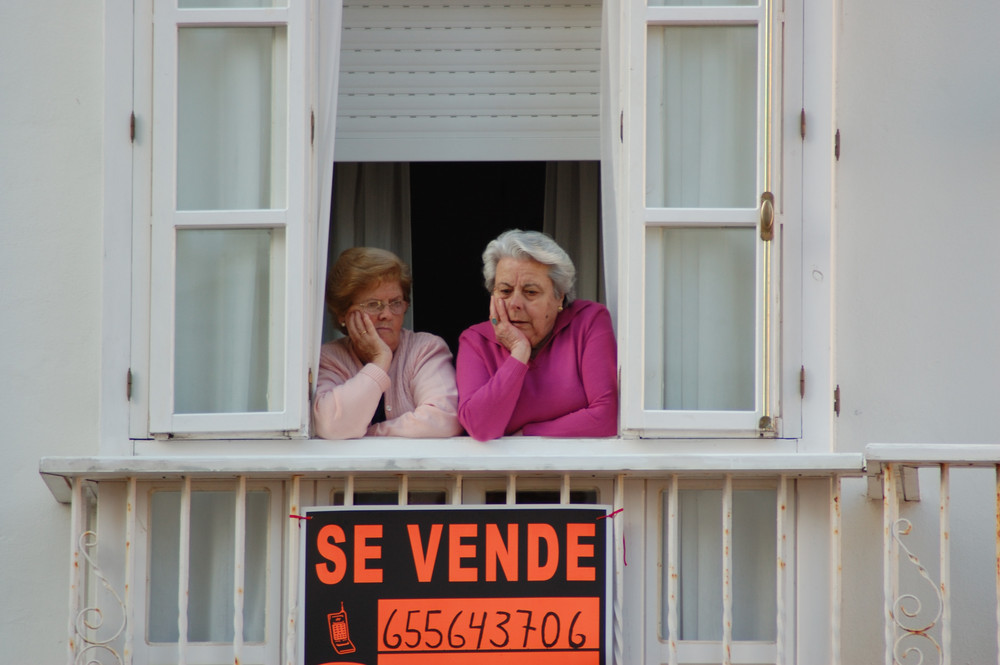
x: 150, y: 370
x: 775, y: 412
x: 803, y: 252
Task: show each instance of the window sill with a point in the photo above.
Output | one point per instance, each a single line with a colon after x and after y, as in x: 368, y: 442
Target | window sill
x: 318, y: 458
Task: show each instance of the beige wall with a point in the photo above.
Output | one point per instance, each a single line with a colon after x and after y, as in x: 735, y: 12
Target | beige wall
x: 51, y: 103
x: 917, y: 221
x: 917, y: 234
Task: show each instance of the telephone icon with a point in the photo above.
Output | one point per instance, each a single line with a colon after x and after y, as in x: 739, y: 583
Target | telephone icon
x: 340, y: 635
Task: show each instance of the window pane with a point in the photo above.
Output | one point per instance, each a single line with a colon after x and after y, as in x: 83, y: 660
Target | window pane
x: 754, y: 565
x: 701, y: 111
x: 755, y: 556
x: 231, y: 118
x: 700, y: 319
x: 700, y: 546
x: 229, y: 336
x: 211, y: 559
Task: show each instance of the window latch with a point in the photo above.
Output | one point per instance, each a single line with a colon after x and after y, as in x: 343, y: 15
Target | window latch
x: 766, y: 216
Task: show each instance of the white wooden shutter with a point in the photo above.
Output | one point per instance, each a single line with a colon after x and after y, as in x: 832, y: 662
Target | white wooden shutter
x: 228, y: 233
x: 697, y: 347
x: 476, y: 80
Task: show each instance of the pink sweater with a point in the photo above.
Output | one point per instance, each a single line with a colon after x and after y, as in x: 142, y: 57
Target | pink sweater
x: 569, y: 389
x: 420, y: 395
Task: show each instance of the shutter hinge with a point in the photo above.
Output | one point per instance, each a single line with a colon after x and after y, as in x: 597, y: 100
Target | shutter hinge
x: 621, y: 126
x: 128, y: 385
x: 131, y: 128
x: 312, y: 127
x: 836, y: 400
x: 802, y: 381
x: 836, y: 145
x: 802, y: 124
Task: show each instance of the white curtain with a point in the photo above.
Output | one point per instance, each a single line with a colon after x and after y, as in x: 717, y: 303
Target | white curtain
x: 700, y: 303
x: 572, y: 217
x: 229, y: 282
x: 329, y: 15
x: 701, y: 110
x: 223, y: 294
x: 613, y: 72
x: 700, y: 321
x: 211, y: 561
x: 371, y: 208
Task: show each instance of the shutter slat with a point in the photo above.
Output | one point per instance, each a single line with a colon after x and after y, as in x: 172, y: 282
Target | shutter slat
x: 448, y: 75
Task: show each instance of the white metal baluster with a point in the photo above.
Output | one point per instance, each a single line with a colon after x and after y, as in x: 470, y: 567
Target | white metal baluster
x: 292, y: 576
x: 183, y: 571
x: 837, y: 573
x: 996, y: 529
x: 349, y: 491
x: 945, y: 541
x: 511, y: 489
x: 564, y: 489
x: 75, y: 579
x: 456, y: 492
x: 889, y: 566
x: 727, y: 571
x: 404, y: 489
x: 617, y: 527
x: 780, y: 581
x: 127, y: 650
x: 673, y: 577
x: 239, y: 560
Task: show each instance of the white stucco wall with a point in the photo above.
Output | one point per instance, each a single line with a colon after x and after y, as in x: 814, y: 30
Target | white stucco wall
x: 917, y: 221
x: 917, y: 298
x: 916, y: 310
x: 51, y: 106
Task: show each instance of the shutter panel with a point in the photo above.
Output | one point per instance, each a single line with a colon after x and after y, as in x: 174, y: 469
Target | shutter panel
x: 470, y: 81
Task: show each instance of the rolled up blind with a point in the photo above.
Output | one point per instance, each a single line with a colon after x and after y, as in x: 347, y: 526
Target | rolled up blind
x: 470, y: 80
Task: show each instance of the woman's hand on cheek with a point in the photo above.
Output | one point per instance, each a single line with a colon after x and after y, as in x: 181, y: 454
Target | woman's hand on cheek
x: 506, y: 333
x: 366, y: 341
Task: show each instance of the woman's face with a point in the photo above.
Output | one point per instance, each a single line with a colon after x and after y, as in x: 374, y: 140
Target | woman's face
x: 387, y: 324
x: 531, y: 299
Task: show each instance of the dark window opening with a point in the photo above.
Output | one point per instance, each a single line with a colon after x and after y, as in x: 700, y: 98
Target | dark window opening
x: 439, y: 216
x: 456, y: 210
x: 541, y: 496
x: 414, y: 498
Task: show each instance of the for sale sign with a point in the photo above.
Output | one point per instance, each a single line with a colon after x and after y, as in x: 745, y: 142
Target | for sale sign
x: 447, y: 586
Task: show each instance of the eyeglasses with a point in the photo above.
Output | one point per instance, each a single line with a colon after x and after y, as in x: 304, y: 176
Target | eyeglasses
x: 375, y: 307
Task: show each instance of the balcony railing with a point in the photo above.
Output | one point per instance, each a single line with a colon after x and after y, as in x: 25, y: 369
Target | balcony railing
x: 112, y: 493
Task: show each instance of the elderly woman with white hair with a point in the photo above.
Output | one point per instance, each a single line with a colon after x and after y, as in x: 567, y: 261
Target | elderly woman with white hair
x: 544, y: 364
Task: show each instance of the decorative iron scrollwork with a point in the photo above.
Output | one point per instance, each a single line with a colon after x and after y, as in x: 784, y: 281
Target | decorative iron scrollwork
x: 90, y: 620
x: 908, y: 607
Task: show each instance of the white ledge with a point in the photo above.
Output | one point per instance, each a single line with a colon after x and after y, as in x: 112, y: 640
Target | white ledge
x: 932, y: 454
x: 319, y: 459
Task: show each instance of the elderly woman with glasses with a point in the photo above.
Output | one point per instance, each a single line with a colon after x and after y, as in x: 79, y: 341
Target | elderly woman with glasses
x: 544, y: 364
x: 380, y: 380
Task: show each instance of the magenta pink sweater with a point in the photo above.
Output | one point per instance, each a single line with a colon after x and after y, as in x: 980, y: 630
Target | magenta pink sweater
x: 569, y: 389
